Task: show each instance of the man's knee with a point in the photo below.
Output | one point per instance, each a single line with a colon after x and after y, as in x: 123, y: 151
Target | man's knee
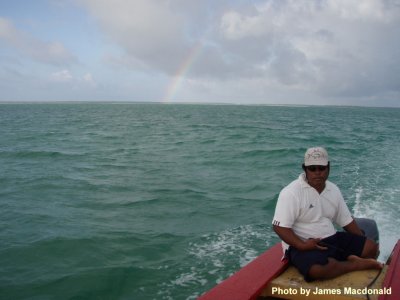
x: 323, y: 271
x: 370, y: 250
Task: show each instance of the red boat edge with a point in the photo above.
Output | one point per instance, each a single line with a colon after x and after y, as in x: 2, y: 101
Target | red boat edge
x: 392, y: 278
x: 248, y: 282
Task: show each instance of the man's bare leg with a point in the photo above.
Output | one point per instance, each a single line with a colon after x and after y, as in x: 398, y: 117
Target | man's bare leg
x: 336, y: 268
x: 370, y: 250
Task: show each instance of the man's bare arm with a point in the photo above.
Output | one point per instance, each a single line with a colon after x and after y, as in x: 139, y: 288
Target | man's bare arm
x: 288, y: 236
x: 353, y: 228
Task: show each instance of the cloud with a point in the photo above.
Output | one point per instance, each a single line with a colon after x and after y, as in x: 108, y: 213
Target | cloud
x: 88, y: 78
x: 144, y: 29
x: 331, y: 48
x: 65, y: 77
x: 61, y: 76
x: 327, y: 49
x: 53, y: 53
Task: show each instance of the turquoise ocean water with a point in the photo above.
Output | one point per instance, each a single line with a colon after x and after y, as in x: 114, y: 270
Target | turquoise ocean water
x: 156, y: 201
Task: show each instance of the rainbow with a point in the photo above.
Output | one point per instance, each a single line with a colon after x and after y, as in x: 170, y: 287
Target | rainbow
x: 181, y: 71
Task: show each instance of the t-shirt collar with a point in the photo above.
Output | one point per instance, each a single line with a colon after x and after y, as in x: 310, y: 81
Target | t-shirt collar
x: 304, y: 183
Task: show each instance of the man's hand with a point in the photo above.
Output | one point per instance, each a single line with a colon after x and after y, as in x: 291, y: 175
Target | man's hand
x: 311, y: 244
x: 287, y: 235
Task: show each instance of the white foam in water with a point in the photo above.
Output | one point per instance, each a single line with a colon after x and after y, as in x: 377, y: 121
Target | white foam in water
x: 188, y: 278
x: 387, y: 217
x: 381, y: 207
x: 232, y: 241
x: 214, y: 253
x: 358, y: 205
x: 248, y: 257
x: 376, y: 198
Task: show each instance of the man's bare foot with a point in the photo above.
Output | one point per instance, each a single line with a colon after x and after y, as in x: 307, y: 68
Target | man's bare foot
x: 365, y: 263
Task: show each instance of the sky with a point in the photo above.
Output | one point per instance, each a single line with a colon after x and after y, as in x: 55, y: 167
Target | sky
x: 300, y: 52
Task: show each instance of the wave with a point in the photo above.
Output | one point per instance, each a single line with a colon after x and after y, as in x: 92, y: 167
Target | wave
x: 41, y: 154
x: 183, y: 195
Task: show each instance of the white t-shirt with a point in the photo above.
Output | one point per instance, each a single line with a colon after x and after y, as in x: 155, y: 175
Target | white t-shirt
x: 308, y: 213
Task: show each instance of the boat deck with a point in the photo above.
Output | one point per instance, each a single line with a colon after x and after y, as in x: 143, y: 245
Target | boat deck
x: 291, y: 285
x: 263, y: 277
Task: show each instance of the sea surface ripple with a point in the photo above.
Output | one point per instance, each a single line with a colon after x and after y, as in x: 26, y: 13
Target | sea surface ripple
x: 155, y: 201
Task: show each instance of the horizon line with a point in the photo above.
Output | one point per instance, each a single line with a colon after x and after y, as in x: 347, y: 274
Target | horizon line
x: 184, y: 103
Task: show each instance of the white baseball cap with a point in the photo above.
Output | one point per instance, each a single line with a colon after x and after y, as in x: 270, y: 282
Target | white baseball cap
x: 316, y: 156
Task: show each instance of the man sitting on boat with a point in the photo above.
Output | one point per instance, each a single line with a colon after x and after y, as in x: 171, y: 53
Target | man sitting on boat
x: 304, y: 217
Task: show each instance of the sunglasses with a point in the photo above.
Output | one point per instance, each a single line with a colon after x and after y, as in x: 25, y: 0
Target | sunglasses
x: 315, y: 168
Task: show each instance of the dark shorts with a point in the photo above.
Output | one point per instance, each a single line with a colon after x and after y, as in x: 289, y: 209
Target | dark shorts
x: 340, y: 246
